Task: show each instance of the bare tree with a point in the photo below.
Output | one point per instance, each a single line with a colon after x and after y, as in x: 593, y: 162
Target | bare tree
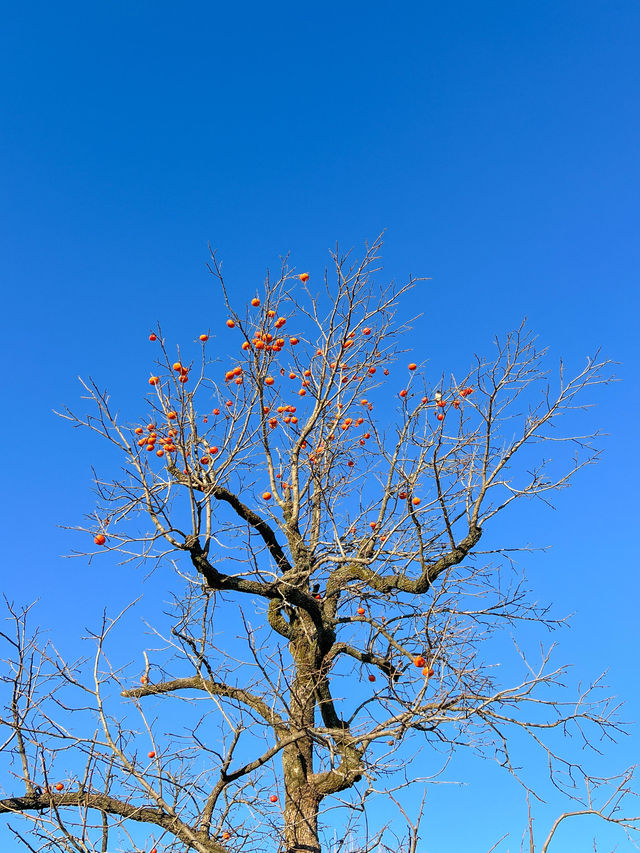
x: 347, y: 543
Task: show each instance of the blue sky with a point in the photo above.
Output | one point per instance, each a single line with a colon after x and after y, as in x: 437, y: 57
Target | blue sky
x: 496, y: 142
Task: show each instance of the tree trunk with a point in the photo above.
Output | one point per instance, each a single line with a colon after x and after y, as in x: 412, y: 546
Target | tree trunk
x: 301, y: 819
x: 301, y: 798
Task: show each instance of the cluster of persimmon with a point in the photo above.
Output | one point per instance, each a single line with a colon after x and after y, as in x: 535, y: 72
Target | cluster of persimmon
x: 166, y: 442
x: 264, y: 341
x: 421, y: 663
x: 288, y: 413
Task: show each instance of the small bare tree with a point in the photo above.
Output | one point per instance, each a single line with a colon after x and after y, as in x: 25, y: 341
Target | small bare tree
x: 346, y: 543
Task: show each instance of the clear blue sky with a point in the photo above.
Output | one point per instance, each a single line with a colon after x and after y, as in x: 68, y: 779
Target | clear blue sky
x: 497, y: 143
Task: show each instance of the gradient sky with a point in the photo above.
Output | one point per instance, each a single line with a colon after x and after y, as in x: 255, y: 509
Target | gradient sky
x: 496, y: 142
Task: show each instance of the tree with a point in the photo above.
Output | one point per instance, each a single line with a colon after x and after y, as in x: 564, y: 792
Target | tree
x: 276, y: 488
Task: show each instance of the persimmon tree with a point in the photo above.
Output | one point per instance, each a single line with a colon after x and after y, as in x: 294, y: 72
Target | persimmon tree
x: 319, y: 492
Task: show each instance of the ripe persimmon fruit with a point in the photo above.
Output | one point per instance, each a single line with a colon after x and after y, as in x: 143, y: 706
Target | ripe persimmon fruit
x: 231, y: 324
x: 99, y: 539
x: 266, y: 496
x: 153, y: 337
x: 304, y: 276
x: 204, y: 338
x: 255, y: 302
x: 419, y: 661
